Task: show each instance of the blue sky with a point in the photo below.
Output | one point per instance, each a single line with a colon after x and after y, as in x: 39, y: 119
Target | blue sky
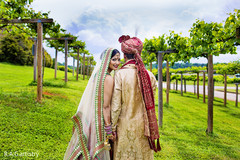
x: 100, y: 22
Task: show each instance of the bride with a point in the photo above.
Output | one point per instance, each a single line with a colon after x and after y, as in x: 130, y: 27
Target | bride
x: 92, y: 121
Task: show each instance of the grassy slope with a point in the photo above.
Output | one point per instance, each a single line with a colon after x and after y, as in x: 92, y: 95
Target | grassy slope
x: 26, y: 126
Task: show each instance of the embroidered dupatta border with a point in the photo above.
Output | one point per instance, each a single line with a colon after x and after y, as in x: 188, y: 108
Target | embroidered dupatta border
x: 82, y: 146
x: 99, y: 121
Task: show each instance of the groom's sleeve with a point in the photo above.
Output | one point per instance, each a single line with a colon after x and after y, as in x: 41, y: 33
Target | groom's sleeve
x: 116, y: 104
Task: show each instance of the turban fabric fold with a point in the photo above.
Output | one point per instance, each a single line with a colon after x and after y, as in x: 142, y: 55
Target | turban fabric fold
x: 130, y: 45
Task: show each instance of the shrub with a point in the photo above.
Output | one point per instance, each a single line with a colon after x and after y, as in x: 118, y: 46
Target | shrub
x: 62, y: 68
x: 16, y: 49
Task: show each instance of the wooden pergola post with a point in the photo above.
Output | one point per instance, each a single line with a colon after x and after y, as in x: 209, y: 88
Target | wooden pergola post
x: 73, y: 65
x: 77, y: 64
x: 168, y: 83
x: 39, y: 60
x: 204, y: 100
x: 151, y: 66
x: 236, y: 102
x: 88, y: 67
x: 35, y: 60
x: 225, y: 89
x: 198, y: 85
x: 194, y: 87
x: 66, y: 56
x: 83, y: 66
x: 185, y: 85
x: 181, y: 84
x: 56, y: 65
x: 39, y: 47
x: 160, y: 89
x: 44, y: 62
x: 176, y: 84
x: 66, y: 39
x: 210, y: 94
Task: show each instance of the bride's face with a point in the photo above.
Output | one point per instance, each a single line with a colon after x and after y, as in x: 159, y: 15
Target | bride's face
x: 114, y: 62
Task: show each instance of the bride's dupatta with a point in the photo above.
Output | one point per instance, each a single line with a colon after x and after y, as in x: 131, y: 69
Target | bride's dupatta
x: 88, y: 137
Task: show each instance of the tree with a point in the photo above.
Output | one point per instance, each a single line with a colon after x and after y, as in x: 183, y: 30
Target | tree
x: 210, y: 39
x: 16, y: 49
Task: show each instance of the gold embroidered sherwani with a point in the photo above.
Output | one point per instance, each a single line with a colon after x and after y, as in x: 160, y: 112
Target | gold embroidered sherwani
x: 129, y: 116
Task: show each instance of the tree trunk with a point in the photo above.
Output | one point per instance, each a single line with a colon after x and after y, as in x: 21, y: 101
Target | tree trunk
x: 210, y: 94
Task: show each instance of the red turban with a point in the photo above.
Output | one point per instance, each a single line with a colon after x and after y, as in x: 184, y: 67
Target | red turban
x: 130, y: 45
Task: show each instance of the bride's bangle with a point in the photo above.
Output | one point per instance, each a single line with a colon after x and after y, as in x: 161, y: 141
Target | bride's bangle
x: 108, y: 129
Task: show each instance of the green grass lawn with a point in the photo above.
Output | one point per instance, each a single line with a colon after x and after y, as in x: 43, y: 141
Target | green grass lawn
x: 45, y: 129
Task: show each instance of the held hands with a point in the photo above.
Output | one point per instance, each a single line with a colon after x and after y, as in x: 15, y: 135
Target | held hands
x: 110, y: 134
x: 114, y: 136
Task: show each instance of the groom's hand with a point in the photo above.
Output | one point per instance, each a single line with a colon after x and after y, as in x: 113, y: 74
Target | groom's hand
x: 114, y: 136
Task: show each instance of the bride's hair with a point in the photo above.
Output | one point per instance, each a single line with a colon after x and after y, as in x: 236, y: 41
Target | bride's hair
x: 114, y: 52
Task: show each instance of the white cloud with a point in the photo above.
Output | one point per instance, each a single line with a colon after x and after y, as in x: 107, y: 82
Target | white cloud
x: 100, y: 23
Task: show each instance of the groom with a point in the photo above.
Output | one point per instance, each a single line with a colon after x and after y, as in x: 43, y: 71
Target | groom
x: 133, y: 109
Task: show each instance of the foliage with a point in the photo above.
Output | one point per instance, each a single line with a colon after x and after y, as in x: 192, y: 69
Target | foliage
x: 230, y: 28
x: 14, y: 9
x: 210, y: 38
x: 48, y: 59
x: 16, y: 49
x: 151, y: 47
x: 182, y: 45
x: 62, y: 68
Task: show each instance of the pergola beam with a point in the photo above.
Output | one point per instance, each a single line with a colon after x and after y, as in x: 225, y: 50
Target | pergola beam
x: 26, y: 21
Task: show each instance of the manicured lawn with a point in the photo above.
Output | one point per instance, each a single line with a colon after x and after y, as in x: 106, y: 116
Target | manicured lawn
x: 45, y: 129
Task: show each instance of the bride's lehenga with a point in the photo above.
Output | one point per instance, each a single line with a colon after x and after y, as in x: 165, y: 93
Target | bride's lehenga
x: 88, y: 137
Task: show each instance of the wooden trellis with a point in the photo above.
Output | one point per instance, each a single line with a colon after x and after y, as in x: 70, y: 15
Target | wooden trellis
x: 160, y: 88
x: 66, y: 53
x: 39, y: 47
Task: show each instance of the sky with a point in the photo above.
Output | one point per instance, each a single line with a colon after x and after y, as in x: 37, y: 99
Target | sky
x: 101, y: 22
